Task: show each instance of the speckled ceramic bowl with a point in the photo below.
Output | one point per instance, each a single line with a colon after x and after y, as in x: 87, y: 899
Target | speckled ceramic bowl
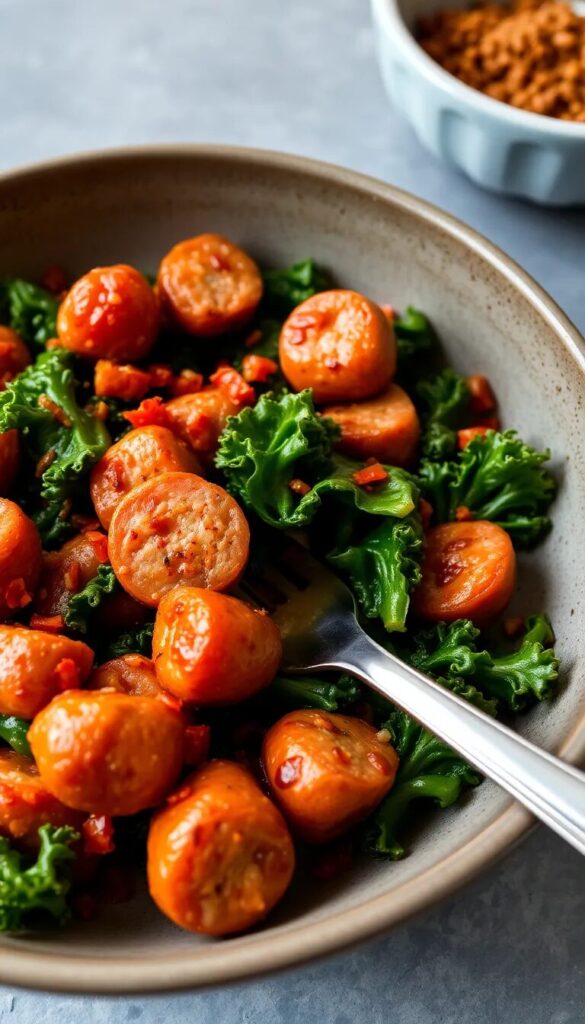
x: 500, y: 147
x: 131, y: 206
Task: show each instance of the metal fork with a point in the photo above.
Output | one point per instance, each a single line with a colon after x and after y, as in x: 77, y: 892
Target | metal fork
x: 316, y: 614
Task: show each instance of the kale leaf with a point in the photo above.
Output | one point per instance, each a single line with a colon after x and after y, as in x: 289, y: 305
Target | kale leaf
x: 81, y: 605
x: 133, y: 641
x: 383, y: 568
x: 76, y: 438
x: 29, y: 310
x: 40, y: 888
x: 445, y: 400
x: 262, y: 450
x: 414, y: 335
x: 285, y: 289
x: 513, y: 680
x: 13, y: 731
x: 311, y: 692
x: 497, y: 477
x: 428, y: 768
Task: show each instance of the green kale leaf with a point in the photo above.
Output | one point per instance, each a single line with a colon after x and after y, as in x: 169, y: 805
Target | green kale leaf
x: 76, y: 438
x: 310, y: 692
x: 445, y: 400
x: 13, y: 731
x: 29, y: 310
x: 284, y: 289
x: 81, y: 605
x: 498, y: 477
x: 383, y: 568
x: 41, y: 888
x: 414, y: 335
x: 281, y: 439
x: 133, y: 641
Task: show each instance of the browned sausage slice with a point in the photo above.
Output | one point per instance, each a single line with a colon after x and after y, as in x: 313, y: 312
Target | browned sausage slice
x: 25, y: 802
x: 34, y: 666
x: 177, y: 528
x: 385, y: 428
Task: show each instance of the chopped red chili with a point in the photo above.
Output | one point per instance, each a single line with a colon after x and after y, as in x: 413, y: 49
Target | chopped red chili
x: 375, y: 474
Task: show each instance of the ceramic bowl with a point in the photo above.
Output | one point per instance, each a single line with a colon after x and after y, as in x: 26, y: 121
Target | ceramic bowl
x: 510, y: 151
x: 131, y: 206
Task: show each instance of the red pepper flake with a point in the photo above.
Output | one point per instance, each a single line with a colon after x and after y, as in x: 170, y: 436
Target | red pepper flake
x: 66, y: 509
x: 54, y: 280
x: 150, y: 412
x: 342, y: 755
x: 375, y: 474
x: 187, y: 382
x: 67, y: 674
x: 513, y: 626
x: 378, y: 762
x: 254, y: 338
x: 72, y: 577
x: 218, y: 262
x: 196, y: 744
x: 425, y: 510
x: 56, y: 411
x: 45, y: 461
x: 482, y: 396
x: 299, y: 487
x: 99, y: 410
x: 463, y: 514
x: 289, y: 772
x: 16, y: 595
x: 232, y: 384
x: 468, y: 434
x: 98, y: 834
x: 47, y: 623
x: 258, y: 369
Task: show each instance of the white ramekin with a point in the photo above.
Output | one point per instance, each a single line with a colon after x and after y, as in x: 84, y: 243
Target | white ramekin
x: 510, y: 151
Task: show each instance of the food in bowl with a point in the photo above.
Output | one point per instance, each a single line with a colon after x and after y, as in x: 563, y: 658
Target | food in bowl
x: 529, y: 53
x: 156, y: 433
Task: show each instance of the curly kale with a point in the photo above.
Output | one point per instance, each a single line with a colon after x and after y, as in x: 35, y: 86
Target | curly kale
x: 133, y: 641
x: 31, y: 891
x: 445, y: 401
x: 383, y: 568
x: 14, y: 731
x: 29, y: 310
x: 310, y: 692
x: 41, y: 404
x: 415, y: 337
x: 497, y: 477
x: 285, y: 289
x: 264, y: 449
x: 428, y: 769
x: 81, y: 605
x: 513, y: 680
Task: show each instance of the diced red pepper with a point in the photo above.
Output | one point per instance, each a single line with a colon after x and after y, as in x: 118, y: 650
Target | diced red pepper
x: 482, y: 396
x: 468, y: 434
x: 299, y: 487
x: 187, y: 382
x: 374, y: 474
x: 120, y: 380
x: 150, y: 412
x: 47, y: 623
x: 196, y: 744
x: 513, y: 625
x: 258, y: 369
x: 16, y: 595
x: 463, y: 514
x: 98, y: 834
x: 233, y: 385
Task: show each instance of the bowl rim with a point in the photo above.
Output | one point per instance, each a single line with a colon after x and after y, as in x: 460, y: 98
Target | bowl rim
x: 264, y: 952
x: 389, y: 14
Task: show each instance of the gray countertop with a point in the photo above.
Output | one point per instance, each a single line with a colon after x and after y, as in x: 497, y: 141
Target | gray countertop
x: 301, y: 76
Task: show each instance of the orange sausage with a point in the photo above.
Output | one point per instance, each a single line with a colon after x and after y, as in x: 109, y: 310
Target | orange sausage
x: 213, y: 649
x: 9, y: 459
x: 385, y: 428
x: 14, y: 355
x: 326, y: 771
x: 219, y: 855
x: 208, y: 285
x: 200, y: 418
x: 67, y: 571
x: 107, y: 753
x: 25, y: 802
x: 20, y: 558
x: 109, y: 313
x: 136, y: 457
x: 340, y: 344
x: 468, y: 572
x: 34, y: 666
x: 177, y: 528
x: 131, y: 673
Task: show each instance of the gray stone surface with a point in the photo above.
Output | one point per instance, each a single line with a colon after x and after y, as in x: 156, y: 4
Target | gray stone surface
x: 301, y: 76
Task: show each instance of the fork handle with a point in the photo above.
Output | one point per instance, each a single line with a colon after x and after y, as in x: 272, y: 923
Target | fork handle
x: 552, y: 790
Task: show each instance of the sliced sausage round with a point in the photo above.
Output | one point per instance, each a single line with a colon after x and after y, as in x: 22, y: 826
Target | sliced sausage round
x: 35, y: 666
x: 131, y: 673
x: 200, y: 418
x: 26, y: 803
x: 20, y: 558
x: 385, y: 428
